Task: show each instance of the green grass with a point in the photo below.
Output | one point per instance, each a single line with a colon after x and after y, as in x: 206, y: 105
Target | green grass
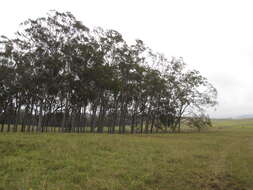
x: 221, y: 158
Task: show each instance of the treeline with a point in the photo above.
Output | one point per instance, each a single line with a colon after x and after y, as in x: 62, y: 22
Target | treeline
x: 56, y: 74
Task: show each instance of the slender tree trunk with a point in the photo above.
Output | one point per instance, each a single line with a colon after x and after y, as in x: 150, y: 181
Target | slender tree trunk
x: 39, y: 129
x: 147, y: 124
x: 17, y: 118
x: 102, y: 118
x: 147, y: 119
x: 9, y: 122
x: 179, y: 124
x: 2, y: 125
x: 24, y: 119
x: 73, y: 120
x: 78, y: 123
x: 152, y: 124
x: 65, y: 115
x: 93, y: 117
x: 84, y: 119
x: 35, y: 121
x: 132, y: 123
x: 125, y: 114
x: 99, y: 125
x: 121, y: 117
x: 142, y: 119
x: 115, y: 116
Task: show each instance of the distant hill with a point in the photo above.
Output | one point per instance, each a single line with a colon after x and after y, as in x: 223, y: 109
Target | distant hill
x: 246, y: 116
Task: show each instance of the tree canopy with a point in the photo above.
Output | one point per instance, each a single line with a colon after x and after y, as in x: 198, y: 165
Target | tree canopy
x: 58, y: 74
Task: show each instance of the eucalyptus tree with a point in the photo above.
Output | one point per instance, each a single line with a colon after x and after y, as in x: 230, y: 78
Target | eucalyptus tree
x: 6, y: 94
x: 199, y: 121
x: 8, y: 83
x: 188, y: 90
x: 51, y: 42
x: 58, y: 73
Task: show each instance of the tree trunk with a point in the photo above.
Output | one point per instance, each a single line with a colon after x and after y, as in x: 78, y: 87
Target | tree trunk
x: 132, y: 123
x: 142, y: 119
x: 39, y: 129
x: 17, y: 118
x: 99, y: 124
x: 92, y: 122
x: 73, y: 121
x: 2, y: 125
x: 152, y: 124
x: 65, y: 115
x: 115, y: 116
x: 147, y: 119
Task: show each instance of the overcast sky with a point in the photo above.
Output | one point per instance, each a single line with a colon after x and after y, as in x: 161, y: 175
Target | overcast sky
x: 213, y: 36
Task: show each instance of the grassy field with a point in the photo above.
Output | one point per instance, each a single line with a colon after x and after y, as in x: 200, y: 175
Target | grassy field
x: 221, y: 158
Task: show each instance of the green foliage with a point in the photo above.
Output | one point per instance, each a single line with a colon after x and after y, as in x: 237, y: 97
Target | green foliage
x: 199, y: 121
x: 56, y: 66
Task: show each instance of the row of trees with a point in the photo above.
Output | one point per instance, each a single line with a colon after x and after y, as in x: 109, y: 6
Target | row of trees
x: 58, y: 75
